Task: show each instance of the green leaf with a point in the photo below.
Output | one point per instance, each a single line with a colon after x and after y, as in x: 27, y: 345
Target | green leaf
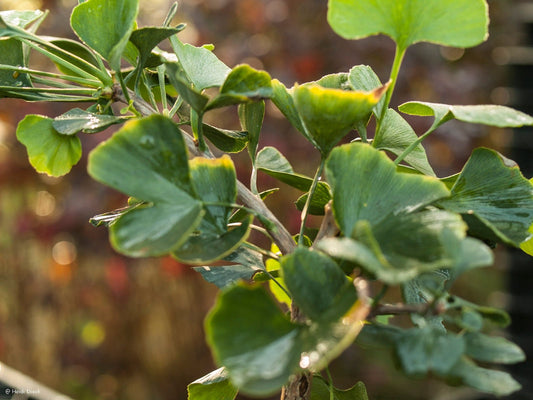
x: 424, y: 241
x: 253, y: 339
x: 492, y: 192
x: 366, y: 186
x: 147, y: 38
x: 423, y: 350
x: 147, y: 159
x: 196, y: 100
x: 492, y: 349
x: 336, y: 81
x: 215, y: 181
x: 49, y: 151
x: 251, y: 117
x: 206, y: 246
x: 154, y: 230
x: 411, y: 21
x: 321, y: 197
x: 20, y: 19
x: 226, y: 140
x: 76, y: 120
x: 115, y: 20
x: 317, y: 285
x: 363, y: 77
x: 13, y: 55
x: 201, y: 67
x: 213, y: 385
x: 320, y: 390
x: 493, y: 115
x: 498, y: 383
x: 273, y: 163
x: 244, y: 264
x: 395, y: 136
x: 329, y: 114
x: 284, y: 101
x: 243, y: 84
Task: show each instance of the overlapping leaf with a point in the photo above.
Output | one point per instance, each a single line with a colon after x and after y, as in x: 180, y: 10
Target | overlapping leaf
x: 147, y: 159
x: 494, y: 197
x: 214, y: 181
x: 317, y: 284
x: 76, y: 120
x: 328, y: 115
x: 373, y: 202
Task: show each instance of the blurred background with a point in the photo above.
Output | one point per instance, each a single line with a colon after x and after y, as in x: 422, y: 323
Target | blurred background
x: 95, y: 325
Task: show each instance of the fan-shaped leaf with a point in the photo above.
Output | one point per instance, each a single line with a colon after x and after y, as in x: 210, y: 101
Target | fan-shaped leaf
x: 411, y: 21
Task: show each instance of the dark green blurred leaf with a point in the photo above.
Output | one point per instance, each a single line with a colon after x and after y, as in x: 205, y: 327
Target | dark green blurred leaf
x: 213, y: 385
x: 317, y: 285
x: 49, y: 151
x: 253, y: 339
x: 491, y: 190
x: 492, y: 349
x: 421, y: 350
x: 491, y: 381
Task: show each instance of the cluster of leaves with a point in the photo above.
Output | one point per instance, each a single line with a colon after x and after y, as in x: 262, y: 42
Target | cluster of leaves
x: 386, y: 218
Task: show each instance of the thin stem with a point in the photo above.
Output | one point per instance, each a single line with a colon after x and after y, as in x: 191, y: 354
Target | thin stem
x: 279, y: 284
x: 175, y: 107
x: 63, y: 91
x: 398, y: 58
x: 305, y: 211
x: 58, y: 59
x: 162, y: 89
x: 70, y: 78
x: 413, y: 145
x: 258, y: 249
